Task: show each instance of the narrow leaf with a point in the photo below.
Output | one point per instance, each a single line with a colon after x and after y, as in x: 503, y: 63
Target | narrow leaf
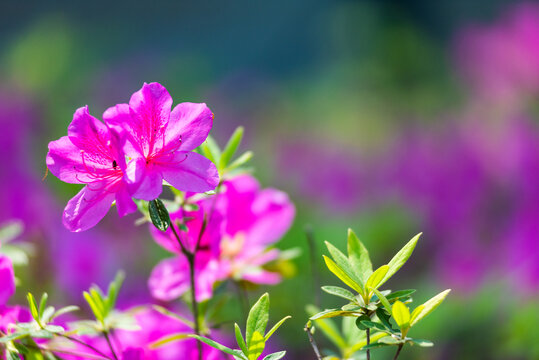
x: 376, y: 277
x: 328, y: 328
x: 275, y: 327
x: 342, y: 261
x: 342, y: 275
x: 231, y: 147
x: 257, y: 345
x: 383, y: 300
x: 275, y: 356
x: 239, y: 339
x: 241, y: 160
x: 400, y: 294
x: 216, y: 345
x: 33, y: 306
x: 400, y: 258
x: 159, y: 214
x: 257, y: 319
x: 430, y: 305
x: 359, y: 256
x: 421, y: 342
x: 339, y: 291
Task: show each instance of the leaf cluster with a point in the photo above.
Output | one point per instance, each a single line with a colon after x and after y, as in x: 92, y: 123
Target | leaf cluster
x: 371, y: 308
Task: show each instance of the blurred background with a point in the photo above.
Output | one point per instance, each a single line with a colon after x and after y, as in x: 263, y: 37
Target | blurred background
x: 389, y: 117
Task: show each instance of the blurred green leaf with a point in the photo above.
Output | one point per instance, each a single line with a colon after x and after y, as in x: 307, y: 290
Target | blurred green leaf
x: 230, y: 148
x: 239, y: 339
x: 400, y: 258
x: 429, y: 306
x: 275, y: 356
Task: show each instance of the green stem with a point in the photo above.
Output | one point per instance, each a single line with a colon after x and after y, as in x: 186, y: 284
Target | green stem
x: 368, y: 331
x: 107, y: 337
x: 75, y: 340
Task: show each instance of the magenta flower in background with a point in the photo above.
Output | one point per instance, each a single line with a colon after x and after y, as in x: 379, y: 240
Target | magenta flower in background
x: 255, y: 219
x: 90, y: 155
x: 135, y: 345
x: 160, y: 142
x: 501, y: 61
x: 7, y: 279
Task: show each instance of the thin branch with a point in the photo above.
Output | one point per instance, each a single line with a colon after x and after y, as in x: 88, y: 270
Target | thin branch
x: 314, y: 269
x: 398, y: 352
x: 312, y: 341
x: 107, y: 337
x: 75, y: 340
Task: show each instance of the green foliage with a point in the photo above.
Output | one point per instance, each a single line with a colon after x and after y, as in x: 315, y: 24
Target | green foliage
x: 370, y: 309
x: 223, y: 158
x: 255, y: 335
x: 102, y: 305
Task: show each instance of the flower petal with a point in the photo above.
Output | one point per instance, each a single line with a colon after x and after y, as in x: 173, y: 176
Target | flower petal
x: 144, y: 180
x: 93, y: 137
x: 259, y: 276
x: 150, y: 112
x: 189, y: 171
x: 119, y: 120
x: 124, y: 202
x: 64, y: 160
x: 189, y: 126
x: 7, y: 279
x: 88, y: 207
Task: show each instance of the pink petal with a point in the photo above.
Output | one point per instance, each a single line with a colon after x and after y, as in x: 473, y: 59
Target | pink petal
x: 132, y: 353
x: 262, y: 277
x: 150, y: 112
x: 64, y: 160
x: 144, y: 180
x: 93, y: 137
x: 189, y: 171
x: 88, y: 207
x: 119, y: 119
x: 274, y: 215
x: 7, y: 279
x: 124, y: 202
x: 189, y: 125
x: 169, y: 279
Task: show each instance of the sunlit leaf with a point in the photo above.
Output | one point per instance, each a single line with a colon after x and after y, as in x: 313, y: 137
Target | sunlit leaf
x: 401, y: 314
x: 339, y: 291
x: 376, y: 277
x: 359, y: 256
x: 430, y: 305
x: 257, y: 320
x: 342, y: 275
x: 275, y: 327
x: 400, y: 258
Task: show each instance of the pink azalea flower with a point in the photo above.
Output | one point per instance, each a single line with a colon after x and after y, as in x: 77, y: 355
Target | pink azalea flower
x: 160, y: 142
x: 170, y: 278
x: 7, y: 279
x: 90, y: 155
x: 255, y: 219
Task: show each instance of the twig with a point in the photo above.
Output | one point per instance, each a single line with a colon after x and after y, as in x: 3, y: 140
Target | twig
x: 75, y: 340
x: 107, y: 337
x: 368, y: 331
x: 312, y: 341
x: 398, y: 352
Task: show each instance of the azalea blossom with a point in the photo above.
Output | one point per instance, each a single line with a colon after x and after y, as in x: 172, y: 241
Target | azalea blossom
x: 160, y: 142
x: 90, y: 154
x: 243, y: 221
x: 255, y: 219
x: 9, y: 315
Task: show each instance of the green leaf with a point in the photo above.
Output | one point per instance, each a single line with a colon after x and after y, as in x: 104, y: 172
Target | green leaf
x: 173, y: 315
x: 95, y: 309
x: 231, y: 147
x: 330, y: 313
x: 400, y: 294
x: 359, y: 256
x: 376, y: 277
x: 257, y: 345
x: 390, y: 341
x: 33, y: 307
x: 10, y: 230
x: 416, y: 312
x: 168, y: 339
x: 383, y: 300
x: 421, y: 342
x: 240, y: 161
x: 362, y: 343
x: 430, y: 305
x: 384, y: 319
x: 372, y: 325
x: 159, y: 214
x: 113, y: 290
x: 342, y: 274
x: 64, y: 310
x: 218, y: 346
x: 43, y: 304
x: 342, y: 261
x: 211, y: 150
x: 239, y: 339
x: 339, y: 291
x: 400, y: 258
x: 401, y: 314
x: 361, y: 326
x: 275, y: 356
x: 275, y: 327
x: 257, y: 320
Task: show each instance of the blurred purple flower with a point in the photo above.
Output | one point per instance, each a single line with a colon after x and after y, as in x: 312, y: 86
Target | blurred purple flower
x: 7, y: 279
x: 501, y: 61
x: 90, y: 155
x: 160, y: 142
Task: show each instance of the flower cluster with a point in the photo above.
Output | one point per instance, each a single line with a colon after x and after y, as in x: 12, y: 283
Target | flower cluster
x: 243, y: 221
x: 139, y: 145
